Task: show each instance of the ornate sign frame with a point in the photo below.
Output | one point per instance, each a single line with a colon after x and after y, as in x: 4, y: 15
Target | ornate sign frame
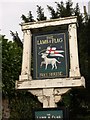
x: 25, y: 79
x: 49, y: 90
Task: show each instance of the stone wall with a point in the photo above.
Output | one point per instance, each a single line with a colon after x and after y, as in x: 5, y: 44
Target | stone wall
x: 5, y: 109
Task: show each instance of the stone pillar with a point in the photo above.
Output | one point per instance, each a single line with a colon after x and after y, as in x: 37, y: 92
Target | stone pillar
x: 73, y: 48
x: 26, y: 60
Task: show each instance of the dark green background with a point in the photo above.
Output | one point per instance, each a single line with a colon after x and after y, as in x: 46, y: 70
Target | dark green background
x: 62, y: 67
x: 51, y: 113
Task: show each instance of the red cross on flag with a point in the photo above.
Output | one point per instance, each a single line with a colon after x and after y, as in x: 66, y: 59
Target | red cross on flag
x: 54, y: 52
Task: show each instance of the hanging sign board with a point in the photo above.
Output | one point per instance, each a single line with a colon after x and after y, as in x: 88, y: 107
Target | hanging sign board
x: 50, y: 55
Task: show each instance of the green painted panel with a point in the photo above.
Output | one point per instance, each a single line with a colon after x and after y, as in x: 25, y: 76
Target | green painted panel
x: 49, y: 115
x: 50, y: 55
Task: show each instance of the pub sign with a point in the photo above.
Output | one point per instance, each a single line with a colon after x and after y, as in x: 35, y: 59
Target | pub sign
x: 50, y: 53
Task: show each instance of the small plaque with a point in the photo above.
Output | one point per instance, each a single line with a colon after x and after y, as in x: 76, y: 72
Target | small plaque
x: 51, y: 114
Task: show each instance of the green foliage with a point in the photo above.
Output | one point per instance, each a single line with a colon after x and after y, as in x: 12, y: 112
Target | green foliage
x: 11, y: 66
x: 0, y: 63
x: 77, y: 10
x: 40, y: 13
x: 77, y: 100
x: 69, y: 9
x: 29, y: 18
x: 52, y: 11
x: 61, y: 10
x: 16, y: 39
x: 79, y: 16
x: 84, y: 43
x: 21, y: 102
x: 0, y: 76
x: 22, y: 106
x: 24, y: 18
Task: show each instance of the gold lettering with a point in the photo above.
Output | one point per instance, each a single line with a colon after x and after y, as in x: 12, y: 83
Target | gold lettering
x: 51, y: 74
x: 47, y: 41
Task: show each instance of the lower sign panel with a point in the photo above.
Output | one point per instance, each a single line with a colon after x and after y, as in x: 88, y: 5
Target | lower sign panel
x: 51, y: 114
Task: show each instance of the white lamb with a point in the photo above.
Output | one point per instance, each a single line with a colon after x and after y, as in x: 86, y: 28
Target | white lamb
x: 48, y: 61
